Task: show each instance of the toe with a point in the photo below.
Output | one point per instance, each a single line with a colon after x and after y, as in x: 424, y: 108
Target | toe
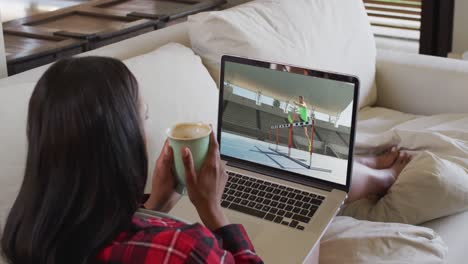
x: 389, y: 157
x: 401, y: 158
x: 408, y: 158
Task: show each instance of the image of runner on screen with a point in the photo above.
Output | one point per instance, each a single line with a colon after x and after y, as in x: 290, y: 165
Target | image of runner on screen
x: 301, y: 115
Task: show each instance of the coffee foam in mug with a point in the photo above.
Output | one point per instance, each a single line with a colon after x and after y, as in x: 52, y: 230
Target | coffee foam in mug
x: 189, y: 131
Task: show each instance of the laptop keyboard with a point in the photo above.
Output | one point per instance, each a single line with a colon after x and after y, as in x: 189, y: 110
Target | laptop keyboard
x: 273, y: 202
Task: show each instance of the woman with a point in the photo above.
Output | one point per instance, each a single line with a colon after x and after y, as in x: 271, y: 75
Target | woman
x: 301, y: 116
x: 85, y: 175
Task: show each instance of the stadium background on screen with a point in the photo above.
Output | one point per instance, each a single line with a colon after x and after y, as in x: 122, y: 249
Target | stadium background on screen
x: 283, y: 118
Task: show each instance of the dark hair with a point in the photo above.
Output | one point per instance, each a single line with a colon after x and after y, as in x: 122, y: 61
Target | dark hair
x: 86, y: 165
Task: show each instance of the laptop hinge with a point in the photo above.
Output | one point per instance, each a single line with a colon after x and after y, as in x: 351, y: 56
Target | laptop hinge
x: 280, y: 175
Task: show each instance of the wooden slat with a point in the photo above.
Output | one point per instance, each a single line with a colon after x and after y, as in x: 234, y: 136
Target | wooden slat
x: 394, y: 26
x: 407, y: 10
x: 160, y: 9
x: 23, y: 46
x: 397, y: 2
x: 395, y: 17
x: 393, y: 10
x: 145, y: 6
x: 201, y: 6
x: 416, y: 3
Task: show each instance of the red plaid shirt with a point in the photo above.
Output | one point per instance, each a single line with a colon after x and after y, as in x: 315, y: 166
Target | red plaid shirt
x: 163, y: 240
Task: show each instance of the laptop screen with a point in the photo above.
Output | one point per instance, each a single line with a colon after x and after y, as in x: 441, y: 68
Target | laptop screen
x: 288, y: 118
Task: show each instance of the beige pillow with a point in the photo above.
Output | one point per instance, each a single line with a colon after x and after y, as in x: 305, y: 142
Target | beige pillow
x: 431, y: 186
x: 352, y: 241
x: 177, y: 88
x: 332, y: 35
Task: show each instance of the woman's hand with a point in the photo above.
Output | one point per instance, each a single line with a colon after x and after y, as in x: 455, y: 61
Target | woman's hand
x: 206, y: 187
x: 163, y: 196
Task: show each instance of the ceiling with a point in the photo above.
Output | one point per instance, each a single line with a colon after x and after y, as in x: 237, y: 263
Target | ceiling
x: 326, y: 96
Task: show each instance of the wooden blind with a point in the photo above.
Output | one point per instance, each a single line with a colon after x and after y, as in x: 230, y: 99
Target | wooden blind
x: 401, y: 18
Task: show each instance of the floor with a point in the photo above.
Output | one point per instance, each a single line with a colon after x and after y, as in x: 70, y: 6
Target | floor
x: 37, y: 43
x: 323, y: 167
x: 13, y: 9
x: 21, y: 8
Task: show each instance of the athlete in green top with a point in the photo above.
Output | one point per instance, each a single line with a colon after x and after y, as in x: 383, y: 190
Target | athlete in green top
x: 301, y: 116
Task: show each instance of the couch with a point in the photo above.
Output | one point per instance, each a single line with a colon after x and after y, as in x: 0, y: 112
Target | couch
x: 3, y: 65
x: 406, y: 82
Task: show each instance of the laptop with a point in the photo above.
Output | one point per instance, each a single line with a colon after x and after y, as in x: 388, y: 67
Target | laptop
x: 287, y: 136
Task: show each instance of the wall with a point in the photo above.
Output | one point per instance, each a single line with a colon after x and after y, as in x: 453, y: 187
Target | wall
x: 3, y: 67
x: 460, y: 29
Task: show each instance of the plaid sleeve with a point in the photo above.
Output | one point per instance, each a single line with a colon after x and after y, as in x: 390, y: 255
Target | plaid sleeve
x: 161, y: 240
x: 233, y: 246
x: 234, y: 239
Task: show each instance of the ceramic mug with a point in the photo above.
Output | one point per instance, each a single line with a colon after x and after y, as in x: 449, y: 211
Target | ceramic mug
x: 196, y: 137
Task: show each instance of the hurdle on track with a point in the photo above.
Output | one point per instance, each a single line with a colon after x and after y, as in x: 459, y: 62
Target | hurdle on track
x: 290, y: 127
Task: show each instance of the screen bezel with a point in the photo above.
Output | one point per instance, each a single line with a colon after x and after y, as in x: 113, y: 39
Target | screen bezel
x: 279, y: 173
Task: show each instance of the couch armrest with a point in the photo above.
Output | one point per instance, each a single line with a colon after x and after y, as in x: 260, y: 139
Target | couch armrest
x: 419, y: 84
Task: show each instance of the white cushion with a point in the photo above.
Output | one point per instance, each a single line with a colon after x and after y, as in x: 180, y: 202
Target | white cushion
x: 414, y: 83
x: 352, y: 241
x: 14, y: 102
x: 435, y: 183
x: 431, y: 186
x: 177, y: 88
x: 454, y: 231
x: 332, y: 35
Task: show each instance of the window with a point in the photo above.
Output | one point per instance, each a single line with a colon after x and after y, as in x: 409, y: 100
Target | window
x: 423, y: 26
x: 396, y: 23
x: 402, y: 15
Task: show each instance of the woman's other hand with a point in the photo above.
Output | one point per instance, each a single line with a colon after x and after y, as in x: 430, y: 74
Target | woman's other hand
x: 206, y: 187
x: 163, y: 195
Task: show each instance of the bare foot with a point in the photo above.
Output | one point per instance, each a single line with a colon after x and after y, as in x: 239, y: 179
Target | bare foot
x: 398, y: 166
x: 368, y: 181
x: 382, y: 161
x: 387, y: 177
